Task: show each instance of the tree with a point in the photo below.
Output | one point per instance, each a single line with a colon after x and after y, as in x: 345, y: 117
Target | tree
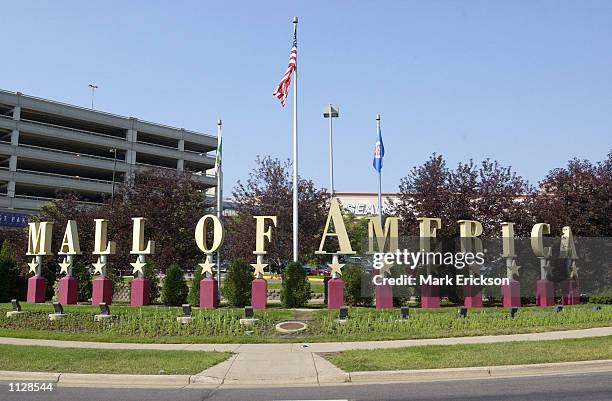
x: 236, y: 287
x: 150, y: 273
x: 194, y: 291
x: 357, y: 230
x: 81, y: 273
x: 268, y: 192
x: 423, y: 192
x: 12, y: 283
x: 357, y: 285
x: 174, y: 291
x: 295, y: 290
x: 490, y: 194
x: 579, y: 196
x: 170, y: 201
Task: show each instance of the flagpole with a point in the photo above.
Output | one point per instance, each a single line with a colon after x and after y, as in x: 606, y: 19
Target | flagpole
x: 331, y: 153
x: 295, y: 153
x: 219, y: 196
x: 380, y: 214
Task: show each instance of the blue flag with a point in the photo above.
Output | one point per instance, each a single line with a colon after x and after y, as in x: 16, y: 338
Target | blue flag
x: 379, y: 153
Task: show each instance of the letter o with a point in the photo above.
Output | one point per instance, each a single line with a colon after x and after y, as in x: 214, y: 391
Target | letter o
x: 201, y: 233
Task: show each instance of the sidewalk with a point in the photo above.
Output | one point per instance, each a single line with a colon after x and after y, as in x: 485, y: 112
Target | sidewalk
x: 299, y: 364
x: 318, y: 347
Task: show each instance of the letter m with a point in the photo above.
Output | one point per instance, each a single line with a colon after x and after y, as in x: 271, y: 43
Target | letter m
x: 376, y: 233
x: 39, y: 238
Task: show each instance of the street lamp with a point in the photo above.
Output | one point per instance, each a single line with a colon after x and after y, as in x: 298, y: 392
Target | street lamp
x: 93, y: 88
x: 330, y: 111
x: 114, y: 152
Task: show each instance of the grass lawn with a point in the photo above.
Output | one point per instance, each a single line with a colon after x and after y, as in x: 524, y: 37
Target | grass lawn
x: 157, y: 324
x: 457, y: 356
x: 77, y: 360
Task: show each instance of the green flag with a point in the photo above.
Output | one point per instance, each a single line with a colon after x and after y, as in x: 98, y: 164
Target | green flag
x: 219, y: 151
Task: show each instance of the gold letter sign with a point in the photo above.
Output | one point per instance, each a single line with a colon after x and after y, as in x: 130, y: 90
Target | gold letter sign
x: 39, y: 238
x: 138, y: 245
x: 335, y: 216
x: 261, y: 233
x: 70, y: 247
x: 201, y: 235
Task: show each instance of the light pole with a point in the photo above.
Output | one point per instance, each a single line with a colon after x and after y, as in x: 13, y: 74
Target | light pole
x: 93, y: 89
x: 114, y: 152
x: 331, y: 112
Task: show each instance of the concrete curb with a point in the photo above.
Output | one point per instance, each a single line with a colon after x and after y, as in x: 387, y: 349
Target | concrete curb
x: 132, y: 381
x: 333, y: 378
x: 424, y: 375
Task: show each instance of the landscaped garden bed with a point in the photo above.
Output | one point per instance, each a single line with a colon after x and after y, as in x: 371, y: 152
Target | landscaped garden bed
x: 155, y: 324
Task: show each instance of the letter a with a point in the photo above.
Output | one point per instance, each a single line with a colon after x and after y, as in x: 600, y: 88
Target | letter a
x: 335, y: 216
x: 70, y: 243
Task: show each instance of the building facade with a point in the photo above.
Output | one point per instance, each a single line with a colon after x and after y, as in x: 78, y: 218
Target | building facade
x: 46, y: 146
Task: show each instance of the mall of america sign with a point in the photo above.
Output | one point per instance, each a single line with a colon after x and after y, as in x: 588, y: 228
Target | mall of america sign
x: 383, y: 245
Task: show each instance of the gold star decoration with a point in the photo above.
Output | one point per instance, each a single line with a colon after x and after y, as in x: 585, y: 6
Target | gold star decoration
x: 546, y: 266
x: 574, y: 271
x: 335, y: 267
x: 207, y: 267
x: 259, y: 267
x: 33, y: 265
x: 514, y: 269
x: 386, y: 268
x: 64, y: 266
x: 98, y: 266
x: 137, y: 266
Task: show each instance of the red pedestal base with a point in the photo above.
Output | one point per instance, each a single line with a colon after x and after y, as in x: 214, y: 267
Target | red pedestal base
x: 335, y: 293
x: 570, y: 293
x: 209, y: 293
x: 511, y: 294
x: 259, y: 293
x: 67, y: 288
x: 384, y: 296
x: 139, y: 296
x: 102, y: 291
x: 430, y: 296
x: 472, y: 296
x: 545, y: 293
x: 37, y: 288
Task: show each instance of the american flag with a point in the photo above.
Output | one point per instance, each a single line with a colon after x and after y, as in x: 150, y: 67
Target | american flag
x: 282, y: 90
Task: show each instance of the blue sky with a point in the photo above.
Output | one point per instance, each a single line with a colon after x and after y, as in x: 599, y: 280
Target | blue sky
x: 528, y: 83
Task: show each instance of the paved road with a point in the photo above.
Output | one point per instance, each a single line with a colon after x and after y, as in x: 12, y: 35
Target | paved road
x: 591, y: 387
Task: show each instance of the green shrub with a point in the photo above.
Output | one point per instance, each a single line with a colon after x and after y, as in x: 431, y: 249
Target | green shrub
x: 174, y: 291
x: 401, y: 293
x: 114, y: 277
x: 12, y: 284
x: 601, y: 297
x: 150, y: 273
x: 295, y: 290
x: 237, y: 284
x: 49, y: 271
x: 357, y: 286
x: 194, y: 291
x: 81, y: 273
